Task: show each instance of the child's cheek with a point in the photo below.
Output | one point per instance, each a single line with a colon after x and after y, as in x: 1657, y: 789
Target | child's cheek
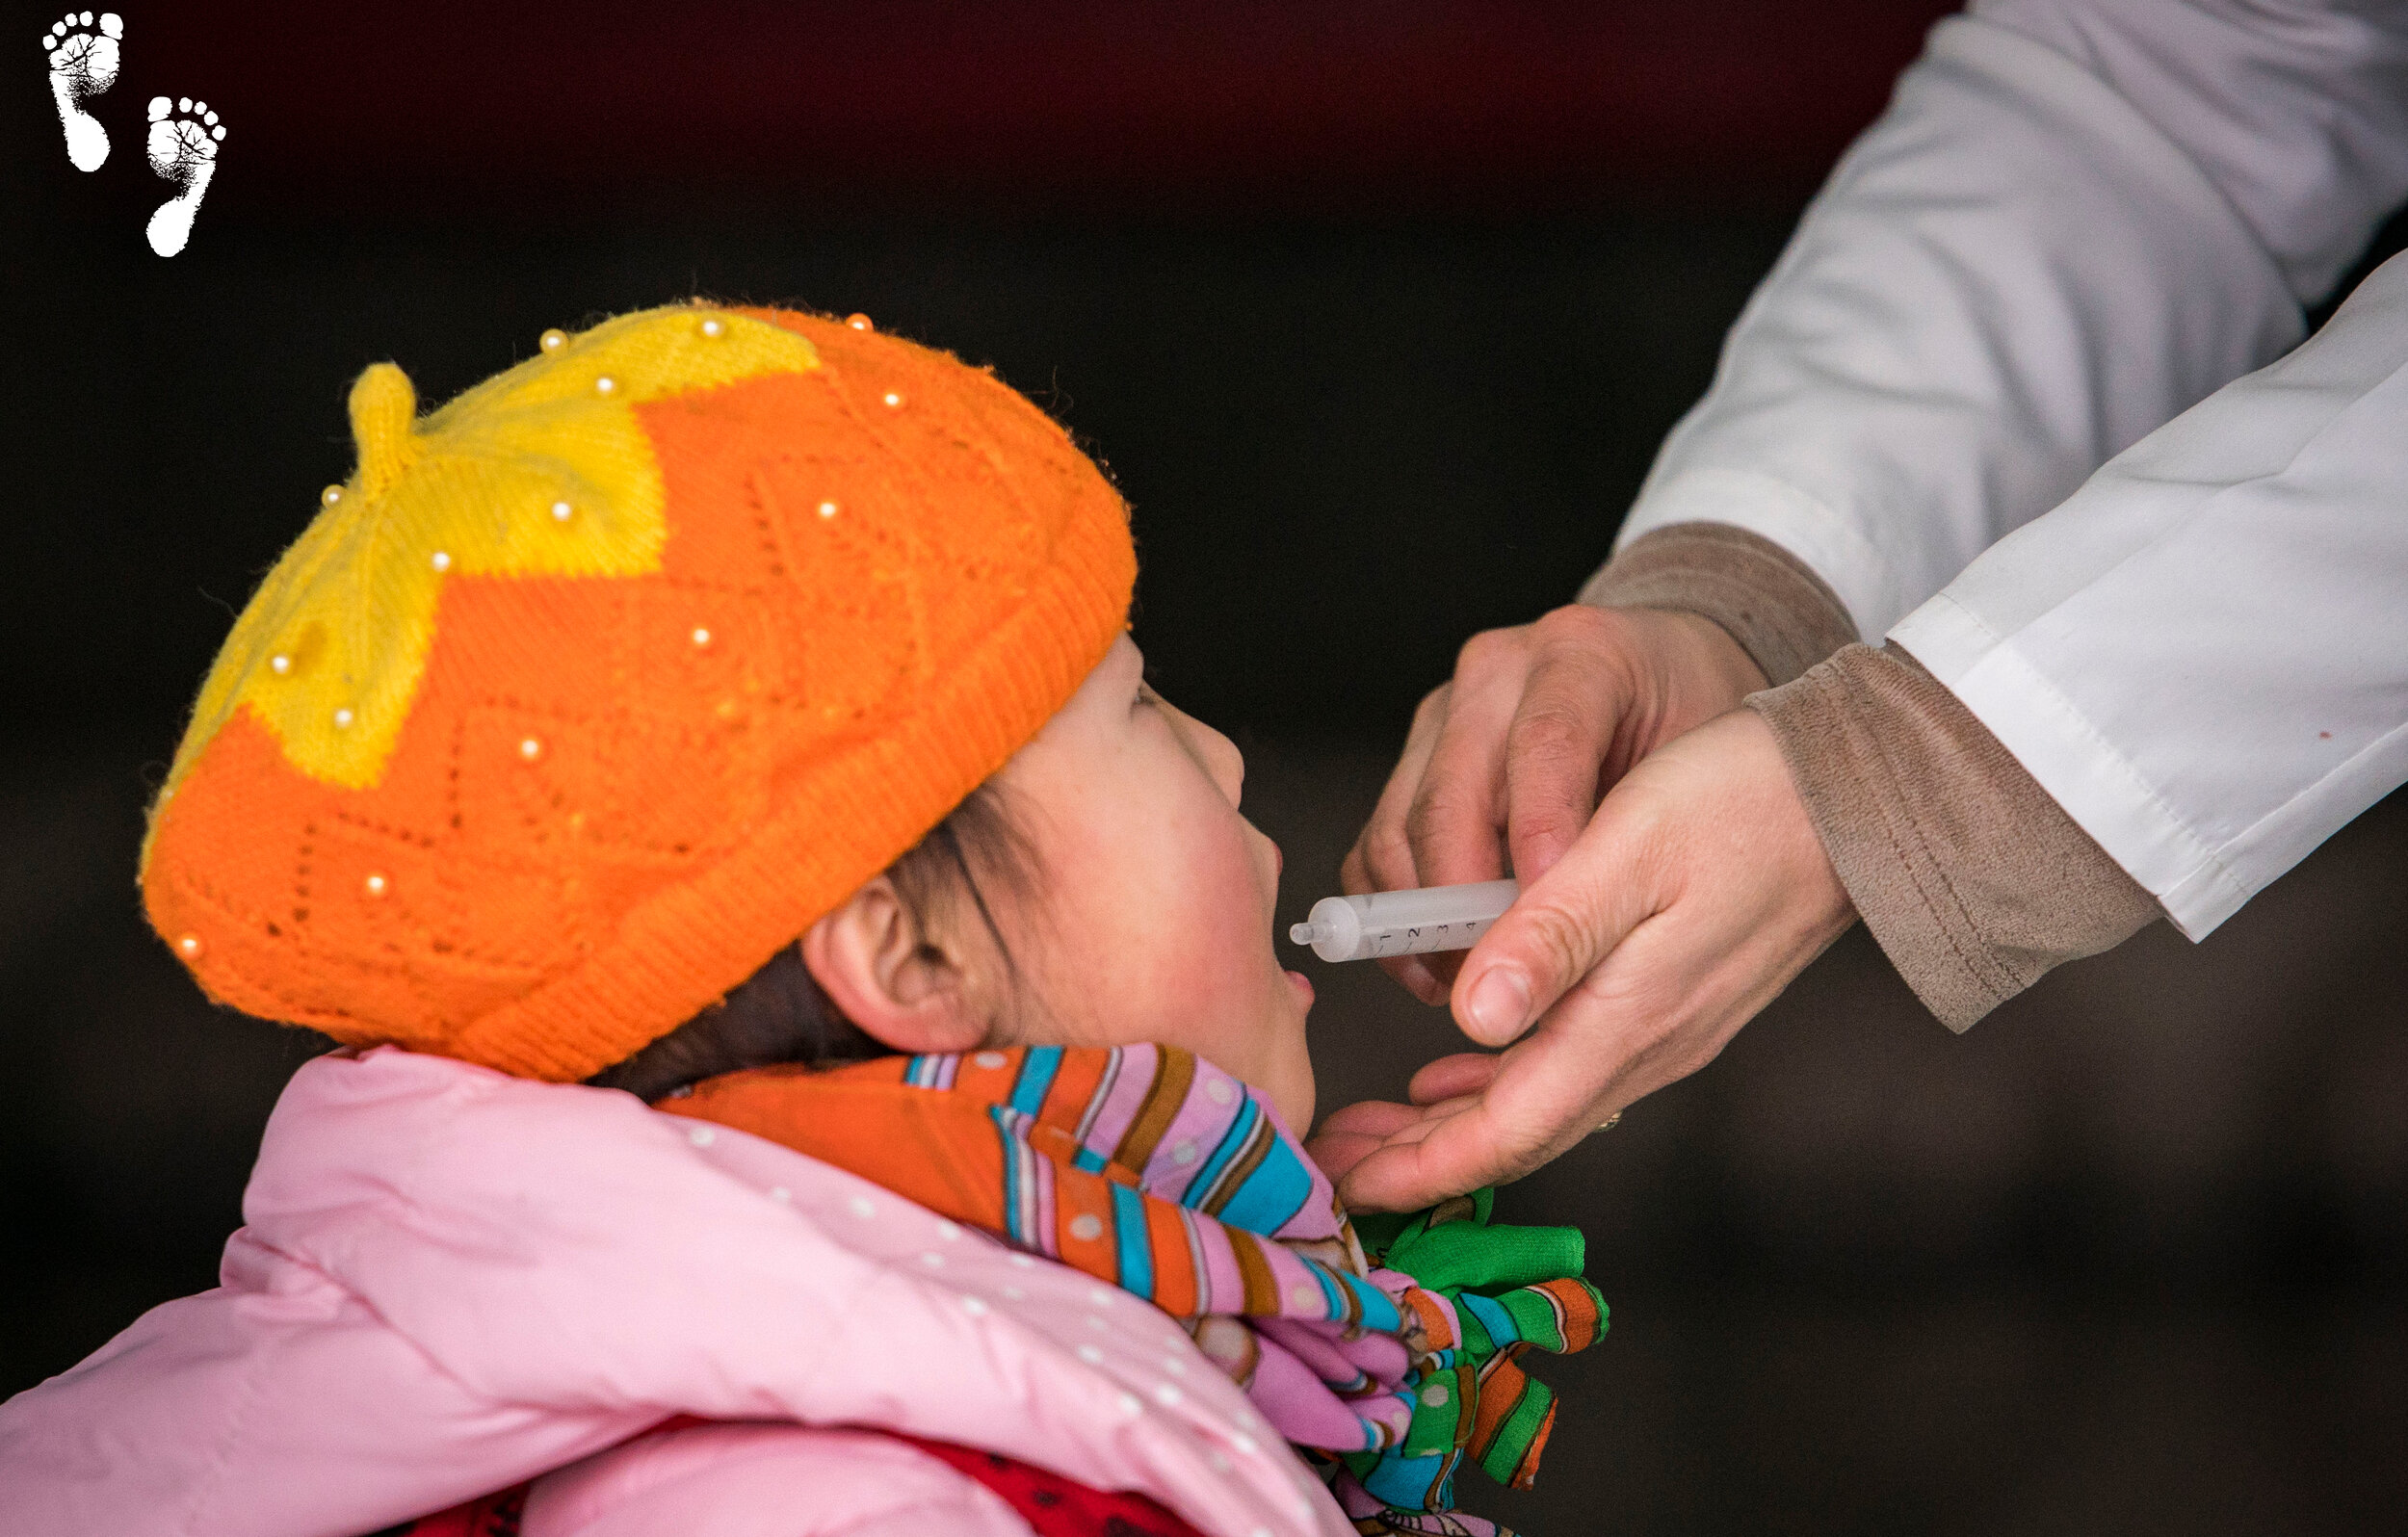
x: 1236, y: 958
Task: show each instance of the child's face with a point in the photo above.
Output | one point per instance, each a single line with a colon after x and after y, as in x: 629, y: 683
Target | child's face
x: 1159, y: 899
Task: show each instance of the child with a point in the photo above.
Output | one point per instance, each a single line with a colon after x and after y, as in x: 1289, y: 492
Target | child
x: 734, y: 710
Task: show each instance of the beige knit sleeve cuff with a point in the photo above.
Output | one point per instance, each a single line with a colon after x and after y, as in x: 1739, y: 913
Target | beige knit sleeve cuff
x: 1974, y: 880
x: 1782, y: 615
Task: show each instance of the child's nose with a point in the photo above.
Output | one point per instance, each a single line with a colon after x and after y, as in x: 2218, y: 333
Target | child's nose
x: 1218, y: 755
x: 1229, y: 766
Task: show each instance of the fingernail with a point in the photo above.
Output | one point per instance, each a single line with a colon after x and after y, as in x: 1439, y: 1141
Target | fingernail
x: 1499, y: 1002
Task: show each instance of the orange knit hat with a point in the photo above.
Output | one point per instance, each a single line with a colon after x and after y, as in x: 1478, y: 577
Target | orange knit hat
x: 598, y: 686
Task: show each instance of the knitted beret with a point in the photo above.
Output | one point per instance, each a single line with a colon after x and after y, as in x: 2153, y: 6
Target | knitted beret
x: 595, y: 688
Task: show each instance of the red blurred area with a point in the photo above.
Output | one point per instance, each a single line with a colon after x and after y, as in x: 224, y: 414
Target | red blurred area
x: 1346, y: 106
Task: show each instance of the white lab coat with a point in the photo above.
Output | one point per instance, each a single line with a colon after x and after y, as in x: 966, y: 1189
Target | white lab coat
x: 2078, y: 226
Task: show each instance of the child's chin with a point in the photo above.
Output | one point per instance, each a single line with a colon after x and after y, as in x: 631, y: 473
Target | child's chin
x: 1291, y: 1089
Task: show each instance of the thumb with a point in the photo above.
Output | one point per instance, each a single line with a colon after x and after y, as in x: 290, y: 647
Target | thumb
x: 1556, y: 932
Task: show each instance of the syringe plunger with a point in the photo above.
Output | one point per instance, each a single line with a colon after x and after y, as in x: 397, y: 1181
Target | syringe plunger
x: 1403, y: 922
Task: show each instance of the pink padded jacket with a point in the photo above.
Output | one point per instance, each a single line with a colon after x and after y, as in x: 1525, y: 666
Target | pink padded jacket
x: 450, y: 1281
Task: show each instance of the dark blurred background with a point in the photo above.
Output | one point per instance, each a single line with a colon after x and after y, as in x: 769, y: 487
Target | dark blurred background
x: 1378, y: 312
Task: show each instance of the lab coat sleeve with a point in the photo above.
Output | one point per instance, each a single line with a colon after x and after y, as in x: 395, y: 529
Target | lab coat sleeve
x: 2202, y: 656
x: 2077, y: 219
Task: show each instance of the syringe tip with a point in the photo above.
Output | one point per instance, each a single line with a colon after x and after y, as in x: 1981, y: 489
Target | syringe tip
x: 1300, y: 933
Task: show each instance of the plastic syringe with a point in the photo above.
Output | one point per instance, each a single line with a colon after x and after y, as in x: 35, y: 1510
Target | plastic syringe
x: 1403, y: 922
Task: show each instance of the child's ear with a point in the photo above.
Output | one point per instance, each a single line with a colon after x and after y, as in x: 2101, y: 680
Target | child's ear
x: 885, y: 974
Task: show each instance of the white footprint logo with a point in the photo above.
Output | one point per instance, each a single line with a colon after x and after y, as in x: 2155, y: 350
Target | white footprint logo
x: 183, y: 149
x: 82, y: 66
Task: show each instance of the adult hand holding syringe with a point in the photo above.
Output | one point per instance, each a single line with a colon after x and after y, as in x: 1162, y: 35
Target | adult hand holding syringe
x: 1403, y: 922
x: 1695, y: 892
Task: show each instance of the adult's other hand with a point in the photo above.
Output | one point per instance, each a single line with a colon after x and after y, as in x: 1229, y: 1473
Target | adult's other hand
x: 1506, y: 761
x: 1690, y: 899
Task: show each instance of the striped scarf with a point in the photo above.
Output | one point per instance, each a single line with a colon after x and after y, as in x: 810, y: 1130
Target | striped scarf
x: 1151, y: 1169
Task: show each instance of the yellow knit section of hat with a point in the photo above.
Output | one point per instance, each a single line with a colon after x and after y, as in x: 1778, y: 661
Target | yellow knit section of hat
x: 543, y: 470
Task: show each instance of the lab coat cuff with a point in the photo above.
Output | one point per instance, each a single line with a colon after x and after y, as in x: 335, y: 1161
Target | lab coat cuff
x: 1973, y: 881
x: 2081, y: 768
x: 1864, y: 580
